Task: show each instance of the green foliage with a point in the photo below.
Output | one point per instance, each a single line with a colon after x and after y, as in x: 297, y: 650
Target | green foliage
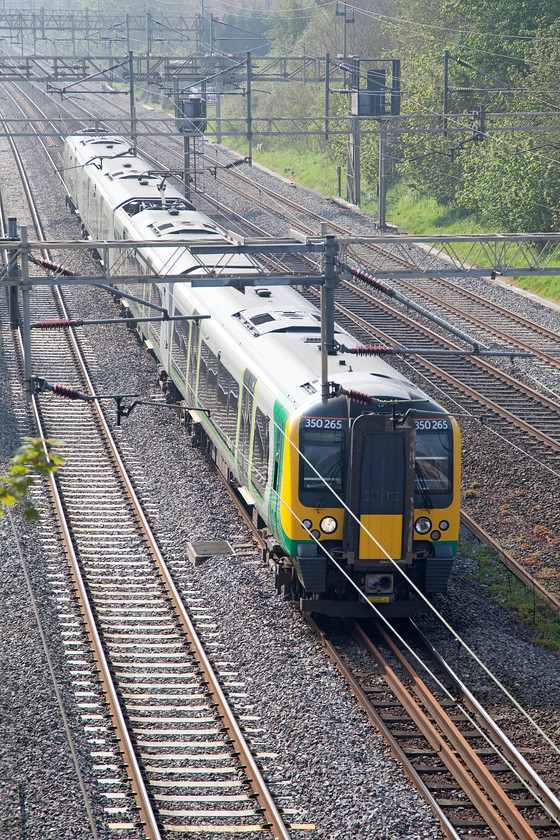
x: 289, y: 23
x: 522, y: 603
x: 502, y: 181
x: 422, y: 214
x: 314, y: 169
x: 509, y: 181
x: 506, y: 182
x: 35, y: 458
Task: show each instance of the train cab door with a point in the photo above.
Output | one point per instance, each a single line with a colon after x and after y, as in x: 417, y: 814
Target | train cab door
x: 380, y: 491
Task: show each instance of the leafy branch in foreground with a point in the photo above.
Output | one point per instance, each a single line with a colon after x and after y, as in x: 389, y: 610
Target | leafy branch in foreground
x: 35, y: 458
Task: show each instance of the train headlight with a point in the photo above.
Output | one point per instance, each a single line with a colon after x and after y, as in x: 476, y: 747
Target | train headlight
x: 443, y: 525
x: 308, y: 524
x: 423, y: 525
x: 315, y: 533
x: 328, y: 525
x: 435, y: 535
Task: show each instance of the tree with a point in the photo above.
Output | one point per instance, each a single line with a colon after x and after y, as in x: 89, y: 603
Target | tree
x: 290, y: 22
x: 35, y: 458
x: 511, y: 185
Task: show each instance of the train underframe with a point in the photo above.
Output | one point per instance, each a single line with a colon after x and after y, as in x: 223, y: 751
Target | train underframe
x: 320, y: 587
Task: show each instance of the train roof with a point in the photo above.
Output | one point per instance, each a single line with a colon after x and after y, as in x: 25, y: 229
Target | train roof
x: 105, y: 145
x: 275, y: 332
x: 123, y: 175
x: 153, y: 223
x: 156, y: 210
x: 281, y: 335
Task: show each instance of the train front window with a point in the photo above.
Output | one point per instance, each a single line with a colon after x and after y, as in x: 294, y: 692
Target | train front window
x: 433, y: 469
x: 323, y: 450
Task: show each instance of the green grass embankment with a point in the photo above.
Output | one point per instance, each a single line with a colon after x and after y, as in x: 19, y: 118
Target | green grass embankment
x: 406, y: 208
x: 525, y: 606
x: 424, y: 217
x: 315, y: 170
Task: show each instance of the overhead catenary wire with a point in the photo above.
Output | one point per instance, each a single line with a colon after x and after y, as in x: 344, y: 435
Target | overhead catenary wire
x: 413, y: 586
x: 374, y: 538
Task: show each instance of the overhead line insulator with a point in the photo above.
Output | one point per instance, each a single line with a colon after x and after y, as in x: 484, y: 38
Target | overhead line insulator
x: 57, y: 324
x: 357, y: 396
x: 52, y: 266
x: 371, y: 350
x: 372, y: 281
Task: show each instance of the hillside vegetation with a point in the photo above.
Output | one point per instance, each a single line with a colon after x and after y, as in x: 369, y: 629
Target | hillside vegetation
x: 501, y: 171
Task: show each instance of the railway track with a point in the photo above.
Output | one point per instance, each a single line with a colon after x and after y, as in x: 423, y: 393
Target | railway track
x: 185, y: 753
x: 467, y: 769
x: 489, y: 323
x: 115, y: 609
x: 493, y: 324
x: 484, y: 388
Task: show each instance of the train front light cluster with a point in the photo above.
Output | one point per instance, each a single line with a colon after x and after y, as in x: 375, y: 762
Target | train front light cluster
x: 379, y: 583
x: 328, y: 525
x: 423, y: 525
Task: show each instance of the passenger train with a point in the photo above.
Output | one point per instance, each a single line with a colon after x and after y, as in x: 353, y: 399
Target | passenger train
x: 358, y: 497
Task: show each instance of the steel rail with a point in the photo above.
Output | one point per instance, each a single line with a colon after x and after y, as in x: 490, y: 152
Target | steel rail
x: 133, y: 771
x: 529, y: 577
x: 60, y: 701
x: 518, y: 570
x: 497, y: 811
x: 364, y: 703
x: 506, y: 558
x: 509, y: 380
x: 452, y: 380
x: 119, y: 723
x: 495, y: 331
x: 542, y: 331
x: 476, y: 529
x: 539, y: 788
x: 247, y: 760
x: 489, y: 799
x: 254, y: 775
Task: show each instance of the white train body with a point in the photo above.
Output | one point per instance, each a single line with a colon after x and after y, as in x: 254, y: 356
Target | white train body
x: 254, y: 365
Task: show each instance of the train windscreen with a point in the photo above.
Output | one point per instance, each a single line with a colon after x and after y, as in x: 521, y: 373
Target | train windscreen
x: 323, y: 449
x: 434, y: 458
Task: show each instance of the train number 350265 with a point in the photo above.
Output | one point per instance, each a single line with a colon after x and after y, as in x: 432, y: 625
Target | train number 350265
x: 322, y: 423
x: 426, y: 425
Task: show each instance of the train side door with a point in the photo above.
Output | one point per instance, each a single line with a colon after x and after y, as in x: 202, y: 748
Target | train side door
x: 244, y: 426
x: 380, y: 492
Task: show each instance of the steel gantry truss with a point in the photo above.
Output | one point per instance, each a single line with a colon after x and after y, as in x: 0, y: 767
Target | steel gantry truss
x: 222, y: 75
x: 444, y: 255
x: 466, y: 255
x: 330, y: 257
x: 92, y: 26
x: 269, y: 259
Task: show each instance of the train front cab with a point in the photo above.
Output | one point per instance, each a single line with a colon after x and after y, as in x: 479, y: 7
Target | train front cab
x: 400, y: 480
